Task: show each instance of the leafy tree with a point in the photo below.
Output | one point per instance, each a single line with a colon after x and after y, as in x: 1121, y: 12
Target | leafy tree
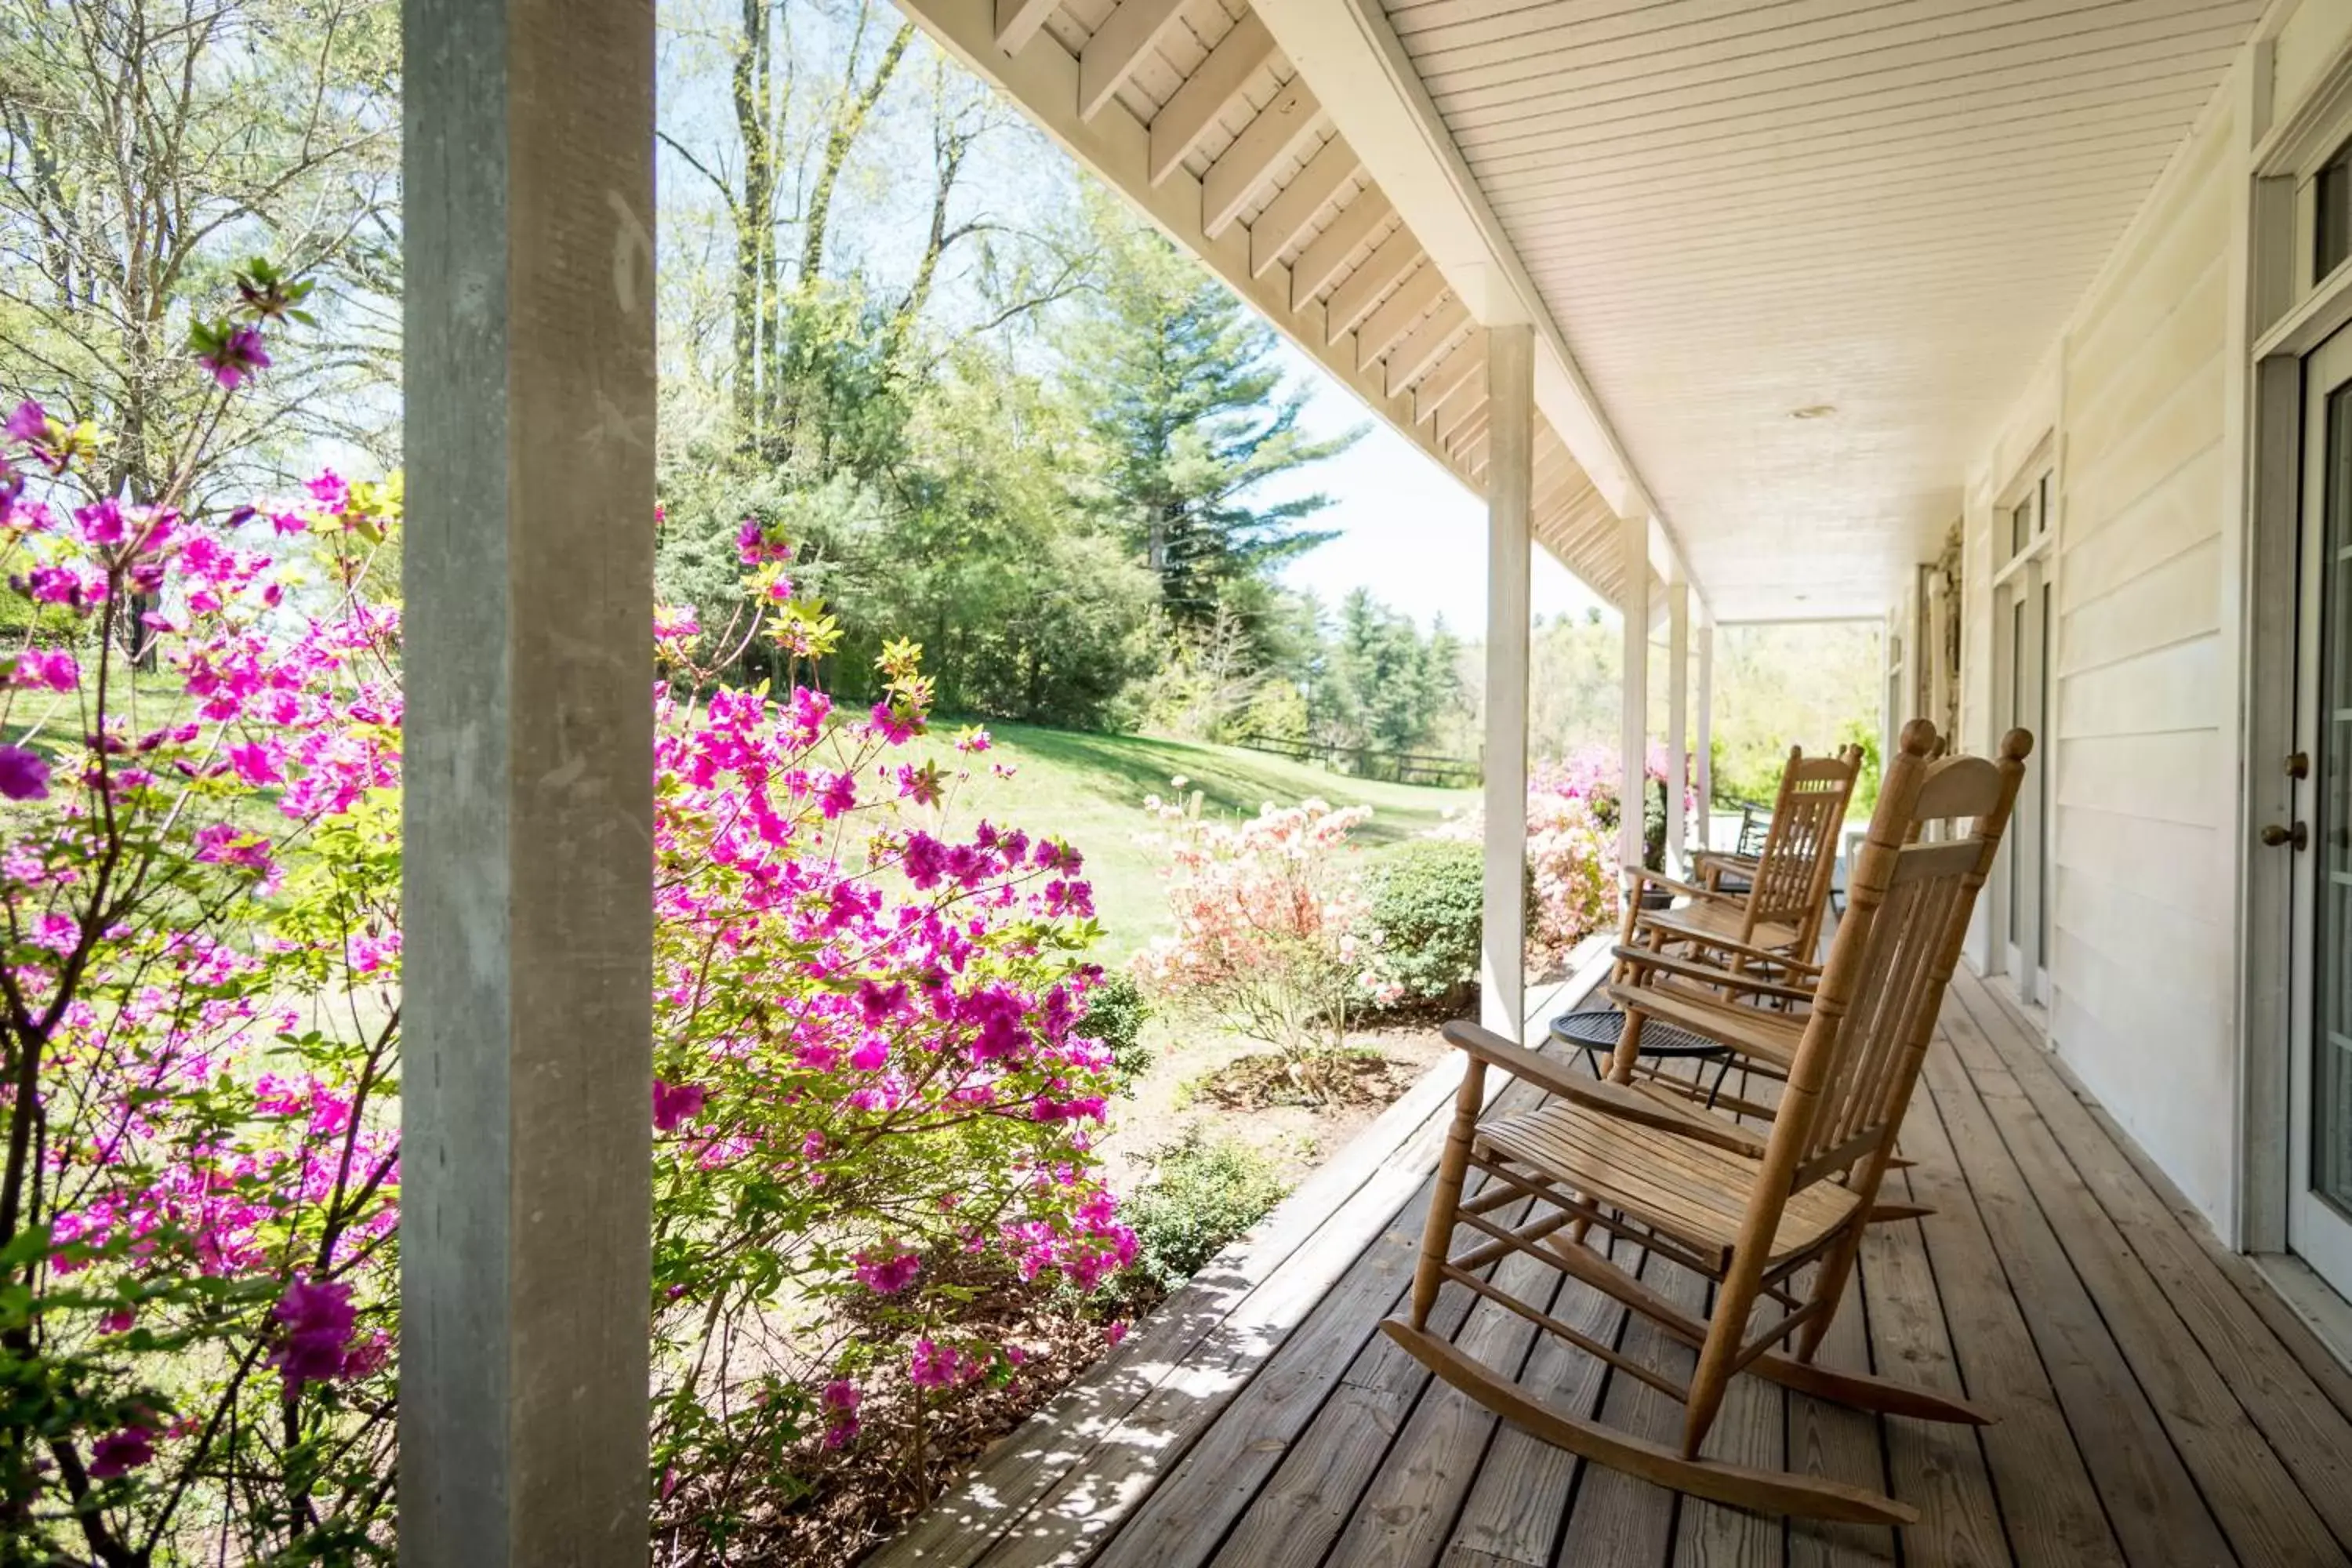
x: 1383, y: 685
x: 1183, y: 395
x: 149, y: 147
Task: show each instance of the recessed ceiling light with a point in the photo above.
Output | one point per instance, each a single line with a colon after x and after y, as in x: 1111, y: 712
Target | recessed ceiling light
x: 1813, y: 411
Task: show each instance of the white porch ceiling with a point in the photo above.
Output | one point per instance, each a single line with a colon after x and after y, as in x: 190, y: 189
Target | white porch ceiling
x: 1737, y: 210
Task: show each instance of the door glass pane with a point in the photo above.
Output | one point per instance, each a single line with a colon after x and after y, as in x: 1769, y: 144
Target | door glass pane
x: 2041, y: 711
x: 2331, y: 1099
x: 2017, y: 710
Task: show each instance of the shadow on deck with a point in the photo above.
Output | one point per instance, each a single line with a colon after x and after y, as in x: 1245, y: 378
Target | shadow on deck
x: 2158, y: 1404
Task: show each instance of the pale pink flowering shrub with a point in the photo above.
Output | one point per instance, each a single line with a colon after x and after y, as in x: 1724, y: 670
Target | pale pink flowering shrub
x: 1269, y: 914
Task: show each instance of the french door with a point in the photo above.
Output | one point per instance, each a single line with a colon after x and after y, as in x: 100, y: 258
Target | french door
x: 2024, y: 610
x: 2319, y: 1171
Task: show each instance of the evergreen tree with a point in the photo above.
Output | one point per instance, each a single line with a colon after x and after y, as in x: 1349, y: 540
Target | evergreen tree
x: 1179, y: 385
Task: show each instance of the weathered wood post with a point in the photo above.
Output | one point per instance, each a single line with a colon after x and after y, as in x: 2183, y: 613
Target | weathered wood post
x: 529, y: 576
x: 1510, y: 494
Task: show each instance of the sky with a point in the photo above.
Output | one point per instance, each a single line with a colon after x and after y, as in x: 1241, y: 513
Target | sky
x: 1408, y: 530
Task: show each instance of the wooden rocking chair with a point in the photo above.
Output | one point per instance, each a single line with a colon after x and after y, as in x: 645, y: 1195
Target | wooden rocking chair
x: 1775, y: 1219
x: 1780, y: 894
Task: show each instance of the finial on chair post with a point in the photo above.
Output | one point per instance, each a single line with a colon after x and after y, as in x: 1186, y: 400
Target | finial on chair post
x: 1918, y: 738
x: 2017, y: 745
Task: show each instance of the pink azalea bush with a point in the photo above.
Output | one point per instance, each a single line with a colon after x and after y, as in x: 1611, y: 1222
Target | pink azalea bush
x: 1270, y: 914
x: 875, y: 1095
x: 199, y: 1014
x: 881, y: 1023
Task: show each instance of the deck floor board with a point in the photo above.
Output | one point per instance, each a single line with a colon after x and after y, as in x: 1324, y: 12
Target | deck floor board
x: 2156, y: 1406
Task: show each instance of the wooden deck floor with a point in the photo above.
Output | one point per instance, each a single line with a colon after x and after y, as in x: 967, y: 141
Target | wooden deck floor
x: 2159, y: 1406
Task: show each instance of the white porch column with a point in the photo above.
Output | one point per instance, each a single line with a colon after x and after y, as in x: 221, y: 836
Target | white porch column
x: 525, y: 1213
x: 1677, y: 719
x: 1633, y: 735
x: 1703, y: 785
x: 1510, y: 487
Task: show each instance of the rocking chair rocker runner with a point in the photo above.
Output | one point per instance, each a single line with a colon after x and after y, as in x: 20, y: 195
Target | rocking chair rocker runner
x: 1773, y: 1217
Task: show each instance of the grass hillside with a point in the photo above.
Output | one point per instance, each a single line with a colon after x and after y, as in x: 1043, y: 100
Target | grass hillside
x: 1089, y: 789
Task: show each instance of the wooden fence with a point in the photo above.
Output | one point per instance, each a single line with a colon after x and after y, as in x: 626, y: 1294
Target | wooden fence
x: 1371, y: 762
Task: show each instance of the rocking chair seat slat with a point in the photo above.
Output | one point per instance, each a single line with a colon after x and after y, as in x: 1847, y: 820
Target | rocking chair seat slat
x: 1770, y: 1037
x: 1714, y: 921
x: 1692, y: 1192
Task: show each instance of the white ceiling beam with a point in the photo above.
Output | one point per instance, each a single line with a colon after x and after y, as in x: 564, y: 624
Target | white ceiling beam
x: 1017, y: 22
x: 1418, y: 354
x: 1286, y: 217
x: 1388, y: 116
x: 1280, y: 130
x: 1207, y: 93
x: 1386, y: 327
x: 1324, y: 260
x: 1119, y: 46
x: 1352, y: 301
x: 1468, y: 358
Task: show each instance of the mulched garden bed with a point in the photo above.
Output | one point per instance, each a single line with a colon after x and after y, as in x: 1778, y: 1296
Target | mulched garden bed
x: 1327, y: 1080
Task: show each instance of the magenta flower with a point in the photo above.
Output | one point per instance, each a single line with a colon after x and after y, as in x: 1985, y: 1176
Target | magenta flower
x: 52, y: 667
x: 839, y: 1402
x: 28, y: 422
x: 675, y: 1104
x: 933, y: 1366
x: 121, y: 1452
x: 886, y: 1273
x: 889, y: 726
x: 318, y: 1321
x: 253, y: 766
x: 234, y: 356
x: 755, y: 548
x: 101, y: 523
x: 24, y: 775
x: 53, y: 585
x: 330, y: 490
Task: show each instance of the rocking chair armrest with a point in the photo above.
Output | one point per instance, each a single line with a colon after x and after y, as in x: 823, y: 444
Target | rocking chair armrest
x: 1806, y: 973
x: 1617, y: 1100
x: 1483, y: 1044
x: 1709, y: 974
x: 1644, y: 877
x: 1726, y: 860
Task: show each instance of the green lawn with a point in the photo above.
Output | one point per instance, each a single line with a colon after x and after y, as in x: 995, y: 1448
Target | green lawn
x: 1089, y: 789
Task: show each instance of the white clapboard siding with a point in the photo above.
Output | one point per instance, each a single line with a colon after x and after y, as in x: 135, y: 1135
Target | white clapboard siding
x: 2141, y: 946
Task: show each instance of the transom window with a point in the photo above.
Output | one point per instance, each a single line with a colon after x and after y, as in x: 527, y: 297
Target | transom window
x: 2331, y: 225
x: 2030, y: 518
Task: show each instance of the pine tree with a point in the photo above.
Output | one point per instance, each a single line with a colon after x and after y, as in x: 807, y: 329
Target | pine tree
x: 1180, y: 384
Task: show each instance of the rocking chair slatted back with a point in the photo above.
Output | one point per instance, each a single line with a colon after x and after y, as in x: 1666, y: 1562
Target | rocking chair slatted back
x: 1792, y: 872
x: 1908, y: 908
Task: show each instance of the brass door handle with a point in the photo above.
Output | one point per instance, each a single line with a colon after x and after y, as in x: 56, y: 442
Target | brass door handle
x: 2298, y: 836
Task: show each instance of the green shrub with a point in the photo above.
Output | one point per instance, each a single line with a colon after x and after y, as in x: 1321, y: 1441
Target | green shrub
x: 1204, y: 1191
x: 1427, y: 900
x: 1116, y: 1014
